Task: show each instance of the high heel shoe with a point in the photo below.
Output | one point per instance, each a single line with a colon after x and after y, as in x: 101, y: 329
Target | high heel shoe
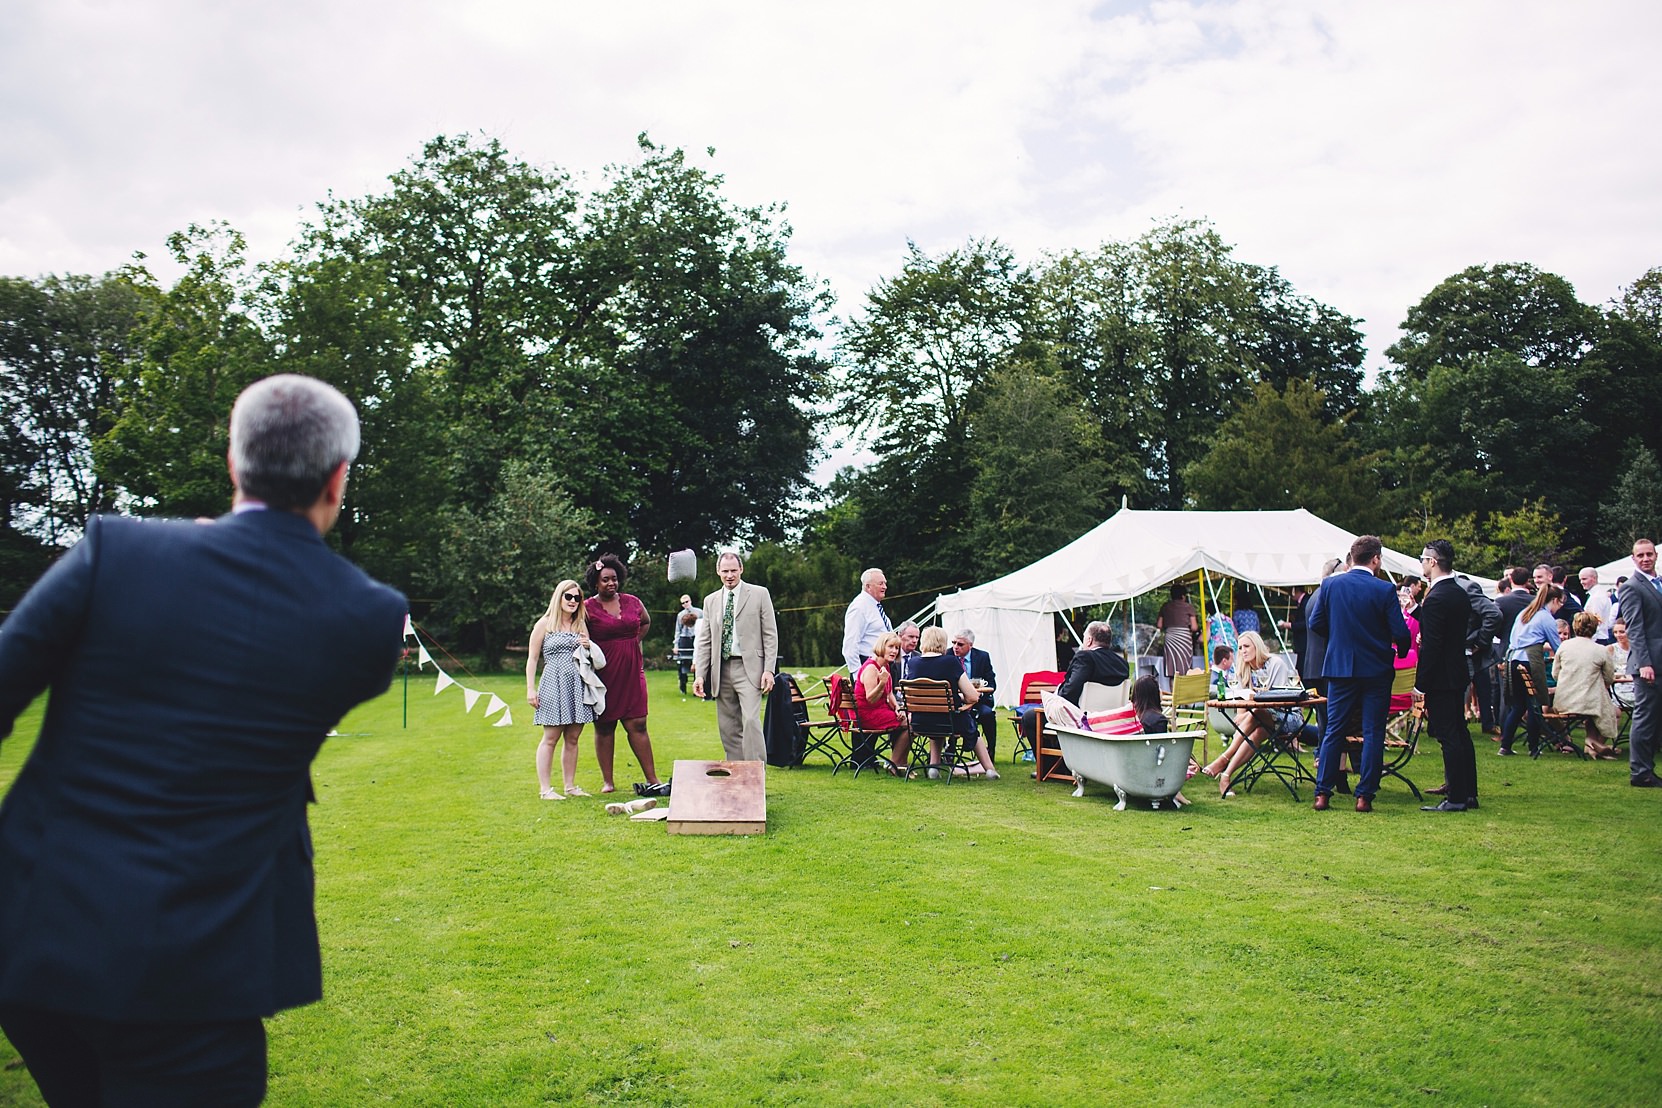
x: 1224, y: 791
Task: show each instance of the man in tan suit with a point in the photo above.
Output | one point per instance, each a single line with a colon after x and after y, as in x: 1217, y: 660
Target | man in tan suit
x: 735, y: 656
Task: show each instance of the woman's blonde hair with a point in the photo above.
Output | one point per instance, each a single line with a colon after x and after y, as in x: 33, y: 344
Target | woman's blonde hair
x: 932, y: 640
x: 579, y: 623
x: 1260, y: 653
x: 884, y: 641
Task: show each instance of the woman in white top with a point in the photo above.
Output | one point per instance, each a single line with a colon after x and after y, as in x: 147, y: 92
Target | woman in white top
x: 1255, y: 669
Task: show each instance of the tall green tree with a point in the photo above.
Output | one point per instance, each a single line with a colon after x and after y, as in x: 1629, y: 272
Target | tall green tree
x: 1281, y: 450
x: 1631, y: 508
x: 67, y: 344
x: 198, y: 347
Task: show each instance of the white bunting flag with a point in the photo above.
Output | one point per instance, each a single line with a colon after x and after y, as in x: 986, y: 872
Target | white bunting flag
x: 409, y: 626
x: 444, y: 682
x: 494, y: 705
x: 507, y: 720
x: 472, y: 697
x: 423, y: 659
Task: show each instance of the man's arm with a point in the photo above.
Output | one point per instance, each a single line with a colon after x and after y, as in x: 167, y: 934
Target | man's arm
x: 1640, y: 634
x: 770, y: 639
x: 854, y: 625
x: 41, y: 634
x: 701, y: 654
x: 1398, y: 626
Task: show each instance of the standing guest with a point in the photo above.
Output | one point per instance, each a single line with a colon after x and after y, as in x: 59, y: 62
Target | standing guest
x: 1585, y: 675
x: 1178, y: 620
x: 865, y: 619
x: 566, y: 696
x: 1533, y: 632
x: 1445, y: 616
x: 1311, y: 668
x: 875, y: 708
x: 1480, y: 651
x: 1641, y: 606
x: 1297, y: 625
x: 1601, y: 602
x: 686, y: 638
x: 155, y: 862
x: 618, y: 622
x: 936, y: 663
x: 1362, y: 621
x: 735, y: 658
x: 1514, y: 599
x: 978, y: 667
x: 1572, y: 603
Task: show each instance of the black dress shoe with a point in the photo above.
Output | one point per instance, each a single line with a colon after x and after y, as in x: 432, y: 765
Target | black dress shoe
x: 1440, y: 790
x: 1321, y: 802
x: 1471, y: 805
x: 1646, y: 781
x: 1446, y: 806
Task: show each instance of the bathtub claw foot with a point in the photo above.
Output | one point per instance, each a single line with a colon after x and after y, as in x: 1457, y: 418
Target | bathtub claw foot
x: 1079, y: 785
x: 1119, y: 792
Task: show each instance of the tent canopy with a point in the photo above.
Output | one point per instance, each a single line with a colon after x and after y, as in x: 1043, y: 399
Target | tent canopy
x: 1132, y: 553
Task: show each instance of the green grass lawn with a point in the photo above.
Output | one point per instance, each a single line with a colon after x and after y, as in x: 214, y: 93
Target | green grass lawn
x: 1000, y: 943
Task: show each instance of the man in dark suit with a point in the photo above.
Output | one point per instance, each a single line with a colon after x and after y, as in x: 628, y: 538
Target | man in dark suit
x: 978, y: 667
x: 1361, y: 618
x: 1641, y: 607
x: 155, y: 863
x: 735, y: 658
x: 1445, y: 615
x: 1095, y: 663
x: 1510, y: 605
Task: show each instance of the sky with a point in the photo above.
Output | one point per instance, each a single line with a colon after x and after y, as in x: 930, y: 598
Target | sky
x: 1366, y: 149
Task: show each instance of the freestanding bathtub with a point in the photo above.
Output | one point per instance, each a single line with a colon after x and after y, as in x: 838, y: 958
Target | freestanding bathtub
x: 1148, y: 766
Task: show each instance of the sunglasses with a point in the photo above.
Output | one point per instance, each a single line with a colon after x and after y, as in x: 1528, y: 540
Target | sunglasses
x: 572, y: 596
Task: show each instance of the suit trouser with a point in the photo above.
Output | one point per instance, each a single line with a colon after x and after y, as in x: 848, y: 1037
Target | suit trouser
x: 738, y: 715
x: 1344, y: 694
x: 83, y: 1061
x: 1482, y: 677
x: 1641, y: 736
x: 1445, y: 718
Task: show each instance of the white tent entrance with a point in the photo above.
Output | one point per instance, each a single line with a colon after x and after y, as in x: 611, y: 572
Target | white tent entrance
x: 1130, y: 554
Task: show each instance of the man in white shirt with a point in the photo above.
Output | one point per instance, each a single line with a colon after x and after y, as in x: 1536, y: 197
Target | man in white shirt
x: 865, y: 619
x: 735, y: 656
x: 1601, y: 602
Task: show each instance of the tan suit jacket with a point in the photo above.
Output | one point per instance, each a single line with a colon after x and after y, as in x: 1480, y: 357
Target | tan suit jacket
x: 756, y: 638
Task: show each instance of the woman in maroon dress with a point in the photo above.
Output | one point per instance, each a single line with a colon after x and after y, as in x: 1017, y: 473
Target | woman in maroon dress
x: 617, y: 623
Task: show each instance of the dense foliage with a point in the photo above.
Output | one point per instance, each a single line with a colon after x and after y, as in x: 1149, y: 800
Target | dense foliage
x: 546, y: 372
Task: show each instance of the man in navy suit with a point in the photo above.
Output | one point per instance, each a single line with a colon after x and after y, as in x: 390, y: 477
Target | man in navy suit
x: 978, y: 667
x: 1361, y: 618
x: 1445, y: 615
x: 155, y: 862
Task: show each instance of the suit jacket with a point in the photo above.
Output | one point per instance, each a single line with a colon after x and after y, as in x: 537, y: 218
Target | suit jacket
x: 1312, y: 660
x: 1361, y: 618
x: 1641, y: 607
x: 1510, y: 605
x: 1445, y: 616
x: 753, y: 622
x: 155, y: 863
x: 978, y: 666
x: 1099, y: 666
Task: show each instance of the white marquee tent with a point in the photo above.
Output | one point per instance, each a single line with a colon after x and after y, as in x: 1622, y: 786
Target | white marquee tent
x: 1132, y: 553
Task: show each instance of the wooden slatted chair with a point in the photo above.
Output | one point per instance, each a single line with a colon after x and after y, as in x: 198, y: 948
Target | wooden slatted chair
x: 861, y: 744
x: 1185, y: 705
x: 937, y: 713
x: 821, y: 735
x: 1402, y: 733
x: 1031, y: 699
x: 1556, y: 724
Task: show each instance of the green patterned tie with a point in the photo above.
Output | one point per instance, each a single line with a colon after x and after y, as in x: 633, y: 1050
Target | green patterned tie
x: 727, y: 628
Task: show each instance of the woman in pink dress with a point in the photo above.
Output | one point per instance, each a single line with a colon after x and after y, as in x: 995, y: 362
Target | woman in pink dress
x: 617, y: 623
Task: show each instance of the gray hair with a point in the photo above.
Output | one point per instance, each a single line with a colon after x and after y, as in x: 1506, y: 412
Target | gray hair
x: 288, y: 435
x: 733, y: 554
x: 909, y: 624
x: 966, y: 634
x: 870, y: 575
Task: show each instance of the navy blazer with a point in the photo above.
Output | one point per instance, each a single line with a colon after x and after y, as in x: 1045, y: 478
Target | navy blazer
x: 155, y: 863
x: 1361, y: 618
x: 1444, y: 618
x: 978, y: 665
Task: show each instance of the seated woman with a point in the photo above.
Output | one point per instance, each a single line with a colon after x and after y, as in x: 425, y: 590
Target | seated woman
x: 1255, y: 669
x: 1585, y: 674
x: 937, y: 663
x: 875, y: 708
x: 1145, y: 703
x: 1622, y: 690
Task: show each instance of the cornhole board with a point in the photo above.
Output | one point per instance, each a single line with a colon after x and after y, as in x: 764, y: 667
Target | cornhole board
x: 718, y: 798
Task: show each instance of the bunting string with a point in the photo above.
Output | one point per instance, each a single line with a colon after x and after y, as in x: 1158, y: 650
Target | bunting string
x: 470, y: 697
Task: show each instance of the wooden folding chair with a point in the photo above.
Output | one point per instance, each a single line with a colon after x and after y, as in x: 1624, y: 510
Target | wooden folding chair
x: 1186, y: 705
x: 1402, y: 733
x: 1031, y: 699
x: 861, y: 744
x: 1556, y: 724
x: 820, y: 736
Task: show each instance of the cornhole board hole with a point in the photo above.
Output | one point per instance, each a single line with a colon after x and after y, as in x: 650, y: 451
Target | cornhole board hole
x: 718, y: 798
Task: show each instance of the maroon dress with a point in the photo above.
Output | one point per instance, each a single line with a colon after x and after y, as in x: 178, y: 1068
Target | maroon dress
x: 624, y: 674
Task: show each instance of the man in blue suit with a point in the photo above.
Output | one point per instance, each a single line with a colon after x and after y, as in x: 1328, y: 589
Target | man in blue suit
x: 978, y: 667
x: 155, y: 862
x: 1361, y: 618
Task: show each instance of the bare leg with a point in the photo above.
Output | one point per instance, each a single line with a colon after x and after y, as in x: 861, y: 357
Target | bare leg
x: 641, y: 743
x: 900, y: 749
x: 984, y: 758
x: 605, y: 740
x: 568, y: 754
x: 545, y: 756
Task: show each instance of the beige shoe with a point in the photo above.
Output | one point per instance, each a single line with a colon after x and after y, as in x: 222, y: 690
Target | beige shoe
x: 550, y: 794
x: 618, y: 808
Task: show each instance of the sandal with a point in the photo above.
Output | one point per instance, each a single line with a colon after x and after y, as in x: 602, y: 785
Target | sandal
x: 1224, y: 791
x: 575, y: 790
x: 551, y: 794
